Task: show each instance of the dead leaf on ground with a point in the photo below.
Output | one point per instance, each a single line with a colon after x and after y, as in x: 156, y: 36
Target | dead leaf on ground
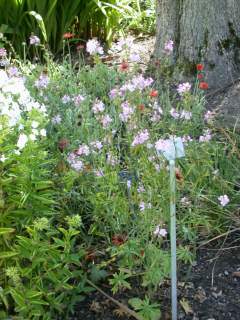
x: 95, y: 307
x: 186, y: 306
x: 119, y: 312
x: 236, y: 274
x: 200, y: 295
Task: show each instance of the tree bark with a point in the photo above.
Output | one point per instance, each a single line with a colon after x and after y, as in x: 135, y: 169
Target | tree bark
x: 203, y: 31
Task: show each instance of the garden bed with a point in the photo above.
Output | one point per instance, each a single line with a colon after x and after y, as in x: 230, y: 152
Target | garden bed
x: 215, y: 264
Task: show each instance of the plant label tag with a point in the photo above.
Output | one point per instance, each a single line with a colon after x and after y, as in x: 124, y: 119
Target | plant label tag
x: 174, y: 150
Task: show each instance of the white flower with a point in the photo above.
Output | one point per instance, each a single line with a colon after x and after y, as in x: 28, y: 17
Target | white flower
x: 22, y: 140
x: 32, y: 137
x: 35, y: 124
x: 3, y: 158
x: 43, y: 132
x: 224, y: 200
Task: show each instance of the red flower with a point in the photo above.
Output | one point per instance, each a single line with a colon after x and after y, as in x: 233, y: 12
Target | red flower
x: 179, y: 175
x: 203, y: 85
x: 141, y: 107
x: 124, y: 66
x: 153, y: 94
x: 68, y: 35
x: 200, y: 76
x: 200, y: 67
x: 118, y: 239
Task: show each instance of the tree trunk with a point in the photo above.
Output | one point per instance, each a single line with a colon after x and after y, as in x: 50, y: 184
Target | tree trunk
x: 203, y: 31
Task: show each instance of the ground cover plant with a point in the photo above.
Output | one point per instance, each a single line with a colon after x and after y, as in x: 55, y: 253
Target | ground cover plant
x: 84, y: 191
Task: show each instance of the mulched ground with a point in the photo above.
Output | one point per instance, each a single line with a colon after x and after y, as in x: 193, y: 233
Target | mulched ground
x: 209, y: 290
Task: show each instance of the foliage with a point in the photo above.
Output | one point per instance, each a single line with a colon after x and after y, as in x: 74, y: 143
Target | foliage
x: 50, y: 20
x: 142, y: 19
x: 84, y: 185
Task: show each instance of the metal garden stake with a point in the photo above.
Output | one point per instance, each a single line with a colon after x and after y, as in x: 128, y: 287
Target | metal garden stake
x: 175, y: 150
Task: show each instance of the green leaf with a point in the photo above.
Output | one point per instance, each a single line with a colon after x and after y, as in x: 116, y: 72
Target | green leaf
x: 7, y: 254
x: 6, y: 230
x: 97, y: 274
x: 40, y: 23
x: 136, y: 303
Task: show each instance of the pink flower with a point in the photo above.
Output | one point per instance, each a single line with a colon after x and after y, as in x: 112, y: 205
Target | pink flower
x: 34, y: 40
x: 74, y: 162
x: 206, y: 137
x: 42, y: 82
x: 94, y: 47
x: 13, y: 71
x: 140, y: 138
x: 3, y: 52
x: 168, y: 47
x: 57, y: 119
x: 187, y: 115
x: 159, y: 232
x: 106, y: 120
x: 162, y: 145
x: 96, y: 144
x: 98, y: 173
x: 209, y: 115
x: 78, y: 99
x: 113, y: 94
x: 224, y: 200
x: 98, y: 106
x: 143, y: 206
x: 184, y: 88
x: 66, y: 99
x: 127, y: 111
x: 83, y: 150
x: 140, y: 188
x: 174, y: 113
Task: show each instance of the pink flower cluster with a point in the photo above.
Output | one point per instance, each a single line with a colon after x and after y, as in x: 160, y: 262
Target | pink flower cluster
x: 206, y: 136
x: 75, y: 162
x: 183, y: 88
x: 42, y: 82
x: 182, y: 114
x: 127, y: 111
x: 106, y: 121
x: 137, y: 83
x: 93, y: 47
x: 162, y: 145
x: 83, y: 150
x: 77, y: 100
x: 98, y: 106
x: 140, y: 138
